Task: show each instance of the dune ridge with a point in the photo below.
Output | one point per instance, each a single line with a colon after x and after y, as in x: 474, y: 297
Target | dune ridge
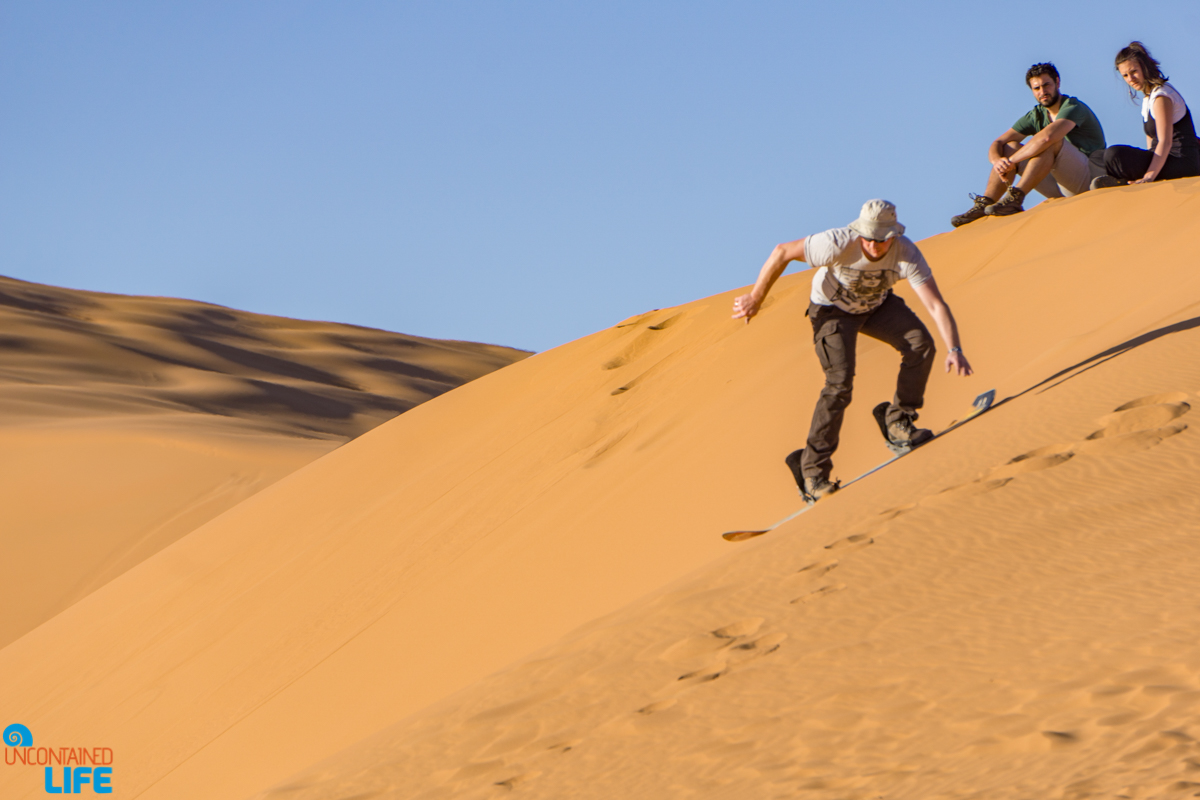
x: 494, y: 520
x: 70, y: 353
x: 126, y: 422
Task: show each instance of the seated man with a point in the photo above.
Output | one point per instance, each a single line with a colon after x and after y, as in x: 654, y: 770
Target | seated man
x: 1054, y: 161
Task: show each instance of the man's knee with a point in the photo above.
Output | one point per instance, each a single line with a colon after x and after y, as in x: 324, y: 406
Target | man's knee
x: 921, y: 347
x: 839, y: 388
x: 838, y: 382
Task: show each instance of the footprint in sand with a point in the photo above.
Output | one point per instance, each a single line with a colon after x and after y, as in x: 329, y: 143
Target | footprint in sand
x: 641, y: 343
x: 661, y: 705
x: 705, y: 674
x: 513, y: 782
x: 861, y: 539
x: 606, y: 447
x: 746, y: 627
x: 759, y: 647
x: 818, y: 593
x: 999, y: 477
x: 735, y: 644
x: 1137, y: 425
x: 736, y: 655
x: 892, y: 513
x: 693, y: 647
x: 712, y: 643
x: 818, y: 568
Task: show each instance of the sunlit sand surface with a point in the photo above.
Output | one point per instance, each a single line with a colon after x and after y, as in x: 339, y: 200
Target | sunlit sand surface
x: 126, y: 422
x: 520, y: 586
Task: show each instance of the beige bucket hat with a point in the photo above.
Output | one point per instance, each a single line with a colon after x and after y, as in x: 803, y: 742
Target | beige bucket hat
x: 877, y: 220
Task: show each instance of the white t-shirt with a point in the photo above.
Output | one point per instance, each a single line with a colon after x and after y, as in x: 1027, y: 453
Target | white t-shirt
x: 846, y: 278
x: 1178, y: 107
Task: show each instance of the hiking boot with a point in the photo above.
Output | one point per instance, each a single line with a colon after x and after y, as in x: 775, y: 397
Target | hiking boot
x: 1107, y: 182
x: 975, y: 212
x: 1011, y: 203
x: 903, y: 434
x: 816, y: 488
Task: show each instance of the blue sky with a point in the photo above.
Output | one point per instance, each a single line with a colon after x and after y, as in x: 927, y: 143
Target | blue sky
x: 521, y: 173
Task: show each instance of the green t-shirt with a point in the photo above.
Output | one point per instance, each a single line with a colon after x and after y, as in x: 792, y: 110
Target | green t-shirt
x: 1087, y: 134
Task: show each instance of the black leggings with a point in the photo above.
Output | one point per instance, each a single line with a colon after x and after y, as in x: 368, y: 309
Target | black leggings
x: 1130, y: 163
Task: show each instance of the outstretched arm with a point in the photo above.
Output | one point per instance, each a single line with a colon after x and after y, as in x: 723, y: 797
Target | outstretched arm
x: 947, y: 327
x: 748, y: 304
x: 1165, y: 131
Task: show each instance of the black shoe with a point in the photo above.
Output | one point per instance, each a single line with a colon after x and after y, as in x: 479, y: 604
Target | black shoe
x: 975, y: 212
x: 1011, y: 203
x: 811, y: 489
x: 1107, y: 182
x: 793, y: 461
x: 816, y: 488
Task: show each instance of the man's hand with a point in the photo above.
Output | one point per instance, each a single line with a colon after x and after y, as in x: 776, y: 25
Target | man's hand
x: 931, y: 296
x: 958, y: 362
x: 745, y: 306
x: 1005, y: 169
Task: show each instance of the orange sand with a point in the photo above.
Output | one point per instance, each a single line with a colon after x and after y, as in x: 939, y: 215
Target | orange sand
x: 1008, y: 612
x: 126, y: 422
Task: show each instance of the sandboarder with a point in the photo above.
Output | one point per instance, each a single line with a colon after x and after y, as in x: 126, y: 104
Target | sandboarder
x: 851, y: 294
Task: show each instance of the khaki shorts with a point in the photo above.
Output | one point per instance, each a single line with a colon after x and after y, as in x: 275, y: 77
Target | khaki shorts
x: 1072, y: 173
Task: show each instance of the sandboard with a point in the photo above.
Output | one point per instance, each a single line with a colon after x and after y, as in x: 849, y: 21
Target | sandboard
x: 981, y: 404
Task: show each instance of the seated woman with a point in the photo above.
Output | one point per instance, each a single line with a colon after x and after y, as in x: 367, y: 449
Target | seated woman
x: 1172, y: 150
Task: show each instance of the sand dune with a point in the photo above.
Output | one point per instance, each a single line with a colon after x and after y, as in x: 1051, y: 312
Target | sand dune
x: 1006, y: 612
x: 1019, y: 623
x: 67, y: 353
x: 126, y: 422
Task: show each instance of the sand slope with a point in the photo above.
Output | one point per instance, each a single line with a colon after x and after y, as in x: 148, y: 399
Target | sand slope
x: 1019, y: 623
x: 126, y: 422
x: 493, y: 520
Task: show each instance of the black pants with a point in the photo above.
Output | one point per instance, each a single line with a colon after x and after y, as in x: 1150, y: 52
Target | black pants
x: 834, y: 334
x: 1130, y: 163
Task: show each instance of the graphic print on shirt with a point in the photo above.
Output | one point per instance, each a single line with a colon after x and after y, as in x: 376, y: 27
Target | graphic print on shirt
x: 860, y: 291
x: 846, y: 278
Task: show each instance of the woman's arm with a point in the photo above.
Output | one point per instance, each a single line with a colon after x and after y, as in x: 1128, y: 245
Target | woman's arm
x: 1162, y: 110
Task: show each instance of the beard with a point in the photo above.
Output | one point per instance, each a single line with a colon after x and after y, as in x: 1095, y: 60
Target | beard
x: 1051, y: 101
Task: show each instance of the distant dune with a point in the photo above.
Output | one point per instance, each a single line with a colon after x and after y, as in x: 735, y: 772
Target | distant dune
x: 520, y: 586
x: 70, y: 354
x: 126, y: 422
